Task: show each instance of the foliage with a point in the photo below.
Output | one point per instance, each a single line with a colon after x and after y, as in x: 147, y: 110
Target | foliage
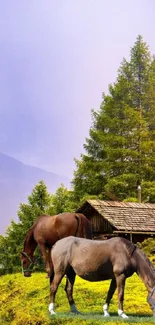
x: 24, y: 301
x: 120, y: 151
x: 62, y: 200
x: 148, y: 246
x: 39, y: 202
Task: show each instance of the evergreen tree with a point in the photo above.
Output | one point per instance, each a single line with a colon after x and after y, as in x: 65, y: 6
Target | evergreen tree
x: 149, y: 180
x: 62, y: 200
x: 39, y: 202
x: 120, y: 150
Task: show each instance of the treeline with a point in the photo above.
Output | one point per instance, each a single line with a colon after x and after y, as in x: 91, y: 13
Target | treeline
x: 39, y: 202
x: 119, y: 153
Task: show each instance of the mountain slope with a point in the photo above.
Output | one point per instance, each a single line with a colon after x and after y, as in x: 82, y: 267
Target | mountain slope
x: 16, y: 183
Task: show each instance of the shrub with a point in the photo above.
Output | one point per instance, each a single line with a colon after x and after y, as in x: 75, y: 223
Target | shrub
x: 148, y: 246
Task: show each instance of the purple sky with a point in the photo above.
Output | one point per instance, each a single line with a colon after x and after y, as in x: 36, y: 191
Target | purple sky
x: 56, y: 59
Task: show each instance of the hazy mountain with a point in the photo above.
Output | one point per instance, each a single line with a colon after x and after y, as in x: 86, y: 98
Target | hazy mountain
x: 16, y: 183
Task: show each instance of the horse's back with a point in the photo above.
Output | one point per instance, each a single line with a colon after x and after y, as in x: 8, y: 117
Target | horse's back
x: 85, y: 256
x: 49, y: 229
x: 44, y: 229
x: 110, y: 246
x: 92, y: 260
x: 75, y: 224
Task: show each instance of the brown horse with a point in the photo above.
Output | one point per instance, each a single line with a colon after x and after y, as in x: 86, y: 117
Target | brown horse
x: 115, y: 258
x: 46, y: 231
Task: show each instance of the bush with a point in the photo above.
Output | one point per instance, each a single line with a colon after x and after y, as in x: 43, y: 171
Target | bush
x: 148, y: 246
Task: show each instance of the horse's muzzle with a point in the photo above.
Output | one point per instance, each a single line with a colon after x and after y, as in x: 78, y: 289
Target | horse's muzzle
x: 27, y: 274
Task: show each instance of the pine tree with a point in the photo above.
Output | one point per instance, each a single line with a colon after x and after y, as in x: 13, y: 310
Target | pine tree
x: 120, y: 146
x: 39, y: 202
x: 62, y: 200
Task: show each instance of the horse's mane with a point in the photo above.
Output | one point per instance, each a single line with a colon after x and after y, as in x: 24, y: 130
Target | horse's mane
x: 147, y: 263
x: 146, y: 260
x: 29, y: 236
x: 129, y: 245
x: 145, y: 266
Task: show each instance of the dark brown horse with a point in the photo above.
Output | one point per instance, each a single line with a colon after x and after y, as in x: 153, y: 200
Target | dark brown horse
x: 115, y: 258
x: 46, y: 231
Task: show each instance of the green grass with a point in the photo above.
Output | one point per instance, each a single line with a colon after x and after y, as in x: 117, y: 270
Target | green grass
x: 24, y: 301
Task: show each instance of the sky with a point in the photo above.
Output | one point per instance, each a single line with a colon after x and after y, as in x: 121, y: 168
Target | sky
x: 56, y: 60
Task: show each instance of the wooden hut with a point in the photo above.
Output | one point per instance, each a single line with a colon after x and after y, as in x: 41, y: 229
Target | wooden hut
x: 134, y: 221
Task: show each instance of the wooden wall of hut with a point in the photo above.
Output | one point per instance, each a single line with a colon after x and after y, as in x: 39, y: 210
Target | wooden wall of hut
x: 99, y: 224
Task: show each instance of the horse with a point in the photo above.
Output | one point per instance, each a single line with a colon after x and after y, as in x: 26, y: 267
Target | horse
x: 94, y: 260
x: 46, y: 231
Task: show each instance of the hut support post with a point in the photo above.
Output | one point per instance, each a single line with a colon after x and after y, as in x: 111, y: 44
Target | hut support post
x: 130, y: 237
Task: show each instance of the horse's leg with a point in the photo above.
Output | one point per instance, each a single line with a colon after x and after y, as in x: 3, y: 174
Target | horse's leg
x: 111, y: 291
x: 120, y: 281
x: 69, y: 289
x: 45, y: 257
x: 51, y: 268
x: 51, y: 277
x: 53, y: 289
x: 49, y: 264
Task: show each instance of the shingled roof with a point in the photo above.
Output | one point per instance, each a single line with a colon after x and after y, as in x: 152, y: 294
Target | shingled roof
x: 126, y: 216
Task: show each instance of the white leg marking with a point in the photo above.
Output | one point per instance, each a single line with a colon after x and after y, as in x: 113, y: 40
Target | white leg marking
x: 105, y: 310
x: 51, y: 309
x: 122, y: 314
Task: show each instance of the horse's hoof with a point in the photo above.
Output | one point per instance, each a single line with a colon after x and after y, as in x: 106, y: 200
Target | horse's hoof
x: 51, y: 309
x: 122, y: 314
x: 52, y: 312
x: 106, y: 314
x: 76, y: 312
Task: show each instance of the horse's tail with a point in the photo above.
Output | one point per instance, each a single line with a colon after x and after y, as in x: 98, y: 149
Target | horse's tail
x: 84, y: 228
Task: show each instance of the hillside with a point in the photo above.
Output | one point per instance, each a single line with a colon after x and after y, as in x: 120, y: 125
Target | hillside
x: 16, y: 183
x: 25, y: 301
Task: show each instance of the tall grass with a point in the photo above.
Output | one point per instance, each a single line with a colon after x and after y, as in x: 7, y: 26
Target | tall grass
x: 24, y: 301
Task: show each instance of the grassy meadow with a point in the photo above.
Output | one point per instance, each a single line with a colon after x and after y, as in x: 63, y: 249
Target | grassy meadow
x: 24, y: 301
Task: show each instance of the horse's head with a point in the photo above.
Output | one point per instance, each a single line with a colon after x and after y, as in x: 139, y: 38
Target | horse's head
x: 151, y: 300
x: 27, y: 262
